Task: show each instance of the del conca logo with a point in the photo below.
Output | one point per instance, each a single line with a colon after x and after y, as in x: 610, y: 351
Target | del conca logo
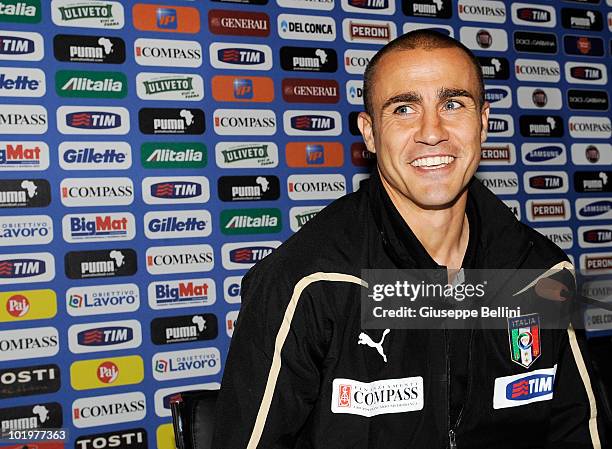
x: 69, y: 83
x: 21, y: 11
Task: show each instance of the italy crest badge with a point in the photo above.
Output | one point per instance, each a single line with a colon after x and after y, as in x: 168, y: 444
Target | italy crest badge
x: 524, y: 334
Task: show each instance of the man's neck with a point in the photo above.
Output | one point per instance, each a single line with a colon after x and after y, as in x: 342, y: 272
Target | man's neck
x: 444, y: 233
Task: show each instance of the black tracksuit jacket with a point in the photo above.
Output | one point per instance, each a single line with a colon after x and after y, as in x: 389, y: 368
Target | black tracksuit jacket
x: 300, y: 323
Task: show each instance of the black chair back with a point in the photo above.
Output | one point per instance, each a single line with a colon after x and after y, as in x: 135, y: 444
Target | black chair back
x: 193, y: 418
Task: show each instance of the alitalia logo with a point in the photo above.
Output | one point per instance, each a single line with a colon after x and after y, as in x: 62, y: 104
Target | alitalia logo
x: 168, y: 85
x: 173, y: 155
x: 89, y: 11
x: 70, y: 83
x: 250, y: 221
x: 22, y: 11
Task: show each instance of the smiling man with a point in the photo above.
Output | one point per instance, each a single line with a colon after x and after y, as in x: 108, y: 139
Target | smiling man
x: 302, y: 372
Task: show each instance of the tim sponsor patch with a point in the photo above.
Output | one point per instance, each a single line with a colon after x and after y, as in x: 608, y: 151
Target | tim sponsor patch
x: 523, y: 389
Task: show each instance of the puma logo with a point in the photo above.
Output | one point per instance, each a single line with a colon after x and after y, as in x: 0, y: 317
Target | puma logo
x: 364, y: 339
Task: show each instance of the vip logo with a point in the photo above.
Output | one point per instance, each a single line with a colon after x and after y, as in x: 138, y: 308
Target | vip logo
x: 20, y: 11
x: 482, y: 11
x: 175, y: 190
x: 171, y: 121
x: 23, y: 119
x: 306, y: 59
x: 300, y: 90
x: 184, y: 328
x: 312, y: 123
x: 595, y: 236
x: 251, y: 89
x: 248, y: 188
x: 314, y: 154
x: 591, y: 100
x: 583, y: 45
x: 440, y: 9
x: 534, y: 15
x: 186, y: 363
x: 100, y: 263
x: 250, y: 221
x: 540, y: 154
x: 521, y: 389
x: 173, y: 155
x: 104, y: 336
x: 548, y: 210
x: 539, y: 98
x: 495, y: 68
x: 102, y: 299
x: 369, y: 6
x: 24, y: 268
x: 355, y: 61
x: 582, y: 19
x: 24, y: 156
x: 321, y: 187
x: 239, y: 23
x: 168, y: 19
x: 88, y: 14
x: 550, y: 182
x: 246, y: 154
x: 126, y: 439
x: 180, y: 259
x: 29, y: 380
x: 590, y: 127
x: 529, y: 42
x: 183, y: 293
x: 240, y: 56
x: 239, y: 122
x: 243, y: 88
x: 541, y: 126
x: 177, y: 224
x: 594, y: 209
x: 165, y: 52
x: 25, y: 230
x: 591, y: 154
x: 95, y: 155
x: 93, y: 49
x: 238, y: 256
x: 299, y: 216
x: 22, y: 82
x: 368, y: 31
x: 498, y: 154
x: 92, y: 120
x: 592, y: 181
x: 488, y: 39
x: 19, y: 46
x: 104, y: 191
x: 70, y: 83
x: 111, y: 409
x: 586, y: 73
x: 28, y: 417
x: 80, y: 228
x: 311, y: 28
x: 501, y: 125
x: 169, y: 86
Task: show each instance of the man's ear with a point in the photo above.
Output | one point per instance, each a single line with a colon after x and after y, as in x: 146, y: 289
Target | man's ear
x: 484, y: 117
x: 364, y: 122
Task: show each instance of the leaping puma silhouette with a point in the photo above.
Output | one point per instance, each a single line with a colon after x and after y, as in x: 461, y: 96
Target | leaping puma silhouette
x: 364, y: 339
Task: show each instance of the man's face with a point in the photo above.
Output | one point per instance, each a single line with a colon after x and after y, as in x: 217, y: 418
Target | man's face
x: 427, y: 127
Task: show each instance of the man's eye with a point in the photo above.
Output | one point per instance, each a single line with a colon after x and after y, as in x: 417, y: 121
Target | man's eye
x: 403, y: 110
x: 450, y: 105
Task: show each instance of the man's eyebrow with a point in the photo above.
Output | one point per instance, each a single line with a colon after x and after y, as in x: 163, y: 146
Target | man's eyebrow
x: 405, y: 97
x: 448, y: 92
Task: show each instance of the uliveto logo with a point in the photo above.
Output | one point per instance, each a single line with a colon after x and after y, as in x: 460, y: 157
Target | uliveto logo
x: 102, y: 299
x: 312, y: 123
x: 299, y: 216
x: 186, y: 363
x: 24, y: 156
x: 316, y: 187
x: 238, y: 256
x: 246, y: 154
x: 88, y: 14
x: 104, y: 336
x: 240, y: 56
x: 93, y: 120
x: 311, y: 28
x: 19, y: 46
x: 180, y: 259
x: 26, y: 268
x: 100, y: 263
x: 239, y: 122
x: 78, y: 192
x: 26, y: 230
x: 166, y: 52
x: 177, y: 224
x: 175, y: 190
x: 109, y: 409
x: 22, y: 82
x: 183, y: 293
x: 95, y: 155
x: 100, y: 227
x: 92, y: 49
x: 169, y: 86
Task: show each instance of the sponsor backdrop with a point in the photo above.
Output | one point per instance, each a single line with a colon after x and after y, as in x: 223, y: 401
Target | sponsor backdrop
x: 151, y: 152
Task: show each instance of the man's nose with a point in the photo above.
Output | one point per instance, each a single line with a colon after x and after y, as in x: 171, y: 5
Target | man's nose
x: 430, y: 129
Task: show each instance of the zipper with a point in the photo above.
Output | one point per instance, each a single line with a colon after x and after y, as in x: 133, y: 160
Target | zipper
x: 451, y: 439
x: 451, y: 431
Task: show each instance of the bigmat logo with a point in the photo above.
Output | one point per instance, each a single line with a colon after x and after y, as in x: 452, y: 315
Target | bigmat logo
x: 386, y: 7
x: 24, y: 193
x: 78, y: 192
x: 310, y: 28
x: 251, y: 221
x: 177, y: 224
x: 299, y: 216
x: 562, y: 236
x: 312, y: 123
x: 240, y: 56
x: 529, y: 42
x: 545, y: 182
x: 95, y: 155
x: 104, y: 336
x: 594, y: 208
x: 534, y: 15
x: 22, y: 82
x: 124, y: 439
x: 29, y: 380
x: 27, y: 305
x: 102, y: 373
x: 525, y: 388
x: 498, y: 96
x: 501, y: 125
x: 308, y: 59
x: 362, y: 31
x: 360, y: 156
x: 100, y: 263
x: 180, y: 259
x: 173, y: 155
x: 26, y: 230
x: 24, y: 156
x: 169, y: 86
x: 92, y: 49
x: 590, y: 127
x: 22, y: 118
x: 356, y: 61
x: 171, y: 121
x: 541, y: 125
x: 316, y: 187
x: 582, y: 19
x: 88, y: 14
x: 186, y: 363
x: 47, y: 415
x: 482, y: 11
x: 184, y: 328
x: 246, y: 154
x: 497, y: 153
x: 19, y: 46
x: 500, y: 182
x: 239, y: 23
x: 593, y: 181
x: 548, y: 210
x: 231, y: 289
x: 102, y: 299
x: 243, y: 255
x: 28, y: 343
x: 20, y: 11
x: 258, y: 89
x: 590, y: 100
x: 302, y: 90
x: 248, y: 188
x: 595, y: 236
x: 537, y: 70
x: 244, y: 122
x: 93, y: 120
x: 543, y: 154
x: 583, y: 45
x: 548, y: 98
x: 439, y: 9
x: 596, y: 263
x: 169, y: 53
x: 166, y: 19
x: 100, y: 227
x: 26, y: 268
x: 184, y: 293
x: 175, y: 190
x: 487, y: 39
x: 496, y: 68
x: 314, y: 154
x: 110, y: 409
x: 70, y: 83
x: 592, y: 154
x: 165, y: 395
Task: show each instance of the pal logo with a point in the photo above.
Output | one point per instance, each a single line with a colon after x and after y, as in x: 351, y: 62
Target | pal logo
x: 522, y: 389
x: 93, y: 120
x: 238, y: 256
x: 105, y: 336
x: 26, y: 268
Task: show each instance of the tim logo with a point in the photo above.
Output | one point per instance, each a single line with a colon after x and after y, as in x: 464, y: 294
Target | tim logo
x: 344, y: 395
x: 167, y: 18
x: 105, y: 336
x: 93, y: 120
x: 312, y: 122
x: 249, y: 255
x: 10, y: 45
x: 598, y: 236
x: 497, y: 125
x: 243, y: 88
x: 369, y: 4
x: 530, y: 387
x: 315, y: 154
x: 21, y: 268
x: 586, y: 73
x: 546, y: 182
x: 176, y: 190
x: 107, y: 372
x: 242, y: 56
x: 533, y: 15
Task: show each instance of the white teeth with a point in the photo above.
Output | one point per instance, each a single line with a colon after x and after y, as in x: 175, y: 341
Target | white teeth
x: 432, y: 161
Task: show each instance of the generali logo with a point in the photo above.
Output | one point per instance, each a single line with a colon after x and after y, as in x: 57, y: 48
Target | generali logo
x: 93, y: 120
x: 21, y: 46
x: 302, y: 90
x: 240, y: 56
x: 175, y: 190
x: 88, y: 14
x: 180, y: 259
x: 78, y: 192
x: 386, y: 7
x: 244, y: 122
x: 301, y: 27
x: 239, y: 23
x: 166, y: 19
x: 165, y: 52
x: 368, y: 31
x: 169, y: 86
x: 24, y: 156
x: 312, y: 123
x: 95, y: 155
